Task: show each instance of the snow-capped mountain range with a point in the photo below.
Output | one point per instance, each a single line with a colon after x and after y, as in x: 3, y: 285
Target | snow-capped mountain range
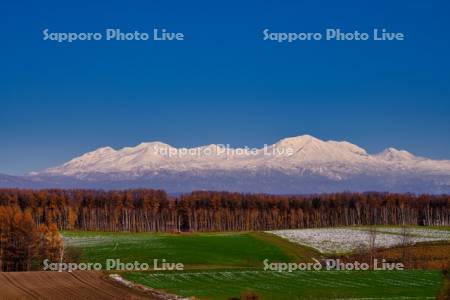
x: 302, y: 164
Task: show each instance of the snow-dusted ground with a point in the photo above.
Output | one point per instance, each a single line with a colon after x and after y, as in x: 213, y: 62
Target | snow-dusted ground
x: 342, y: 240
x: 421, y: 232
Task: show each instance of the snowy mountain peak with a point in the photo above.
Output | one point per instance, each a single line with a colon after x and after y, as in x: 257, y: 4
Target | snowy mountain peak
x: 105, y: 149
x: 147, y: 147
x: 96, y: 154
x: 102, y: 150
x: 153, y: 144
x: 307, y: 165
x: 298, y: 141
x: 308, y: 148
x: 304, y: 155
x: 393, y: 154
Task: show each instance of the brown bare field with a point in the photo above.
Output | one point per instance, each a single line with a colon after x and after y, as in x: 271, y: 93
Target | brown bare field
x: 420, y: 256
x: 62, y: 285
x: 430, y: 255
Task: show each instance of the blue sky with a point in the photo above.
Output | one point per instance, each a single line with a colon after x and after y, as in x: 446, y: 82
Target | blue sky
x: 223, y: 84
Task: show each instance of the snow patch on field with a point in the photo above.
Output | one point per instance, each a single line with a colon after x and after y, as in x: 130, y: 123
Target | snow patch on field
x: 343, y: 240
x: 147, y: 290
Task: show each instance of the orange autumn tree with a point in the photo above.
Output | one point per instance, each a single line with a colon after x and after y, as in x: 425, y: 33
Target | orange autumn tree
x: 143, y: 210
x: 22, y: 244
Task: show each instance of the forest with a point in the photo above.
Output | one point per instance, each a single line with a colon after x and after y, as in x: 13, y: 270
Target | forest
x: 30, y: 220
x: 23, y: 243
x: 155, y: 211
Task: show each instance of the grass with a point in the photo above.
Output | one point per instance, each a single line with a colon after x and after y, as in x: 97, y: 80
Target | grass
x: 296, y: 285
x: 297, y: 253
x: 224, y: 265
x: 193, y: 250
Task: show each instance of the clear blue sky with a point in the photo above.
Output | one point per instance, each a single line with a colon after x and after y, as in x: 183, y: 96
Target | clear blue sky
x: 223, y: 84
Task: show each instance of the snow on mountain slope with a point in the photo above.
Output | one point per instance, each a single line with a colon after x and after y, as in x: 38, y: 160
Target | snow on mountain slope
x: 392, y: 154
x: 293, y: 156
x: 295, y: 165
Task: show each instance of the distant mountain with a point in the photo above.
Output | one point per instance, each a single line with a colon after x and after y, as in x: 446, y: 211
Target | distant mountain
x: 17, y: 181
x: 302, y: 164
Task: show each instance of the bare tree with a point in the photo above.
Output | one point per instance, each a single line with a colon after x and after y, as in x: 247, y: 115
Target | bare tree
x: 405, y: 242
x: 372, y: 242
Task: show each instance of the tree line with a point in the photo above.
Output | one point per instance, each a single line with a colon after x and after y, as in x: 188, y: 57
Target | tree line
x: 23, y: 244
x: 153, y: 210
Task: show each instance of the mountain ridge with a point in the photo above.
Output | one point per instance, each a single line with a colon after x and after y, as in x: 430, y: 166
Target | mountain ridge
x: 291, y: 165
x: 288, y: 153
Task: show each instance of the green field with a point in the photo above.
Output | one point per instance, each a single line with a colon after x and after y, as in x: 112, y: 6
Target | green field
x: 225, y: 284
x: 193, y: 250
x: 224, y: 265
